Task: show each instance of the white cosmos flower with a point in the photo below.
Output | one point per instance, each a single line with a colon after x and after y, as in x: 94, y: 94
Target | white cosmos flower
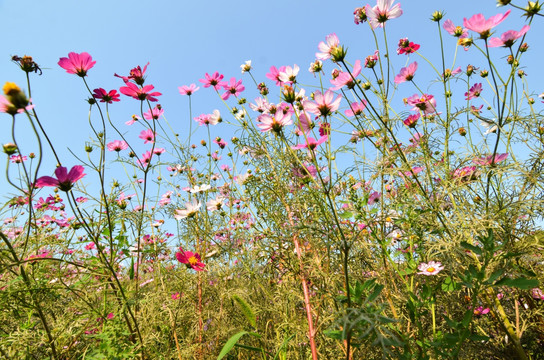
x: 191, y: 208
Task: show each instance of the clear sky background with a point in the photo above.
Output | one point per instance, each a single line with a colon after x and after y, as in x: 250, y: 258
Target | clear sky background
x: 182, y: 40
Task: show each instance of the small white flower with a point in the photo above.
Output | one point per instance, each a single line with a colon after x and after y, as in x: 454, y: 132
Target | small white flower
x: 246, y: 66
x: 215, y: 204
x: 190, y: 210
x: 201, y: 188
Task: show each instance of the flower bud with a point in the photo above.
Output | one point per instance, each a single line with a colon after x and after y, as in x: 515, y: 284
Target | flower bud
x: 462, y: 131
x: 203, y: 142
x: 470, y: 70
x: 437, y: 16
x: 484, y: 73
x: 502, y: 2
x: 10, y: 148
x: 338, y: 53
x: 366, y: 85
x: 524, y: 47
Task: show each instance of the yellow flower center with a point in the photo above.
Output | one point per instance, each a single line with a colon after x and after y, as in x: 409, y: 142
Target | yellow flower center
x: 193, y: 260
x: 11, y: 89
x: 431, y: 269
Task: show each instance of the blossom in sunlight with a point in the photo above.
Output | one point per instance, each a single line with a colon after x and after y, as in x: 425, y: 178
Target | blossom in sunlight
x: 188, y: 90
x: 190, y: 259
x: 274, y: 74
x: 213, y: 80
x: 490, y: 159
x: 323, y: 104
x: 316, y: 66
x: 147, y: 135
x: 456, y: 31
x: 106, y: 96
x: 474, y: 91
x: 17, y: 159
x: 406, y: 73
x: 191, y: 208
x: 215, y: 204
x: 359, y: 15
x: 197, y: 189
x: 133, y: 120
x: 274, y: 122
x: 117, y: 145
x: 480, y: 25
x: 311, y: 143
x: 508, y: 38
x: 77, y: 64
x: 407, y: 47
x: 246, y: 67
x: 356, y: 108
x: 65, y: 180
x: 136, y: 74
x: 175, y: 296
x: 346, y: 78
x: 465, y: 173
x: 137, y: 93
x: 233, y: 87
x: 383, y: 11
x: 411, y: 120
x: 430, y: 268
x: 15, y: 100
x: 145, y: 159
x: 327, y: 47
x: 371, y: 60
x: 154, y: 114
x: 289, y: 74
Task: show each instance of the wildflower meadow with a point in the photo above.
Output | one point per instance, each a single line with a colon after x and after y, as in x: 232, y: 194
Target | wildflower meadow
x: 379, y: 203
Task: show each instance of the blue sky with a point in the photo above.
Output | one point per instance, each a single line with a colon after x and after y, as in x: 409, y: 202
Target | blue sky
x: 182, y: 40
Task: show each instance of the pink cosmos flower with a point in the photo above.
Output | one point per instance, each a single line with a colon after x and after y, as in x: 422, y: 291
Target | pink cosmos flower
x: 274, y: 122
x: 456, y: 31
x: 304, y: 124
x: 481, y: 311
x: 17, y: 159
x: 490, y: 159
x: 107, y: 97
x: 426, y: 103
x: 311, y: 143
x: 133, y: 120
x: 175, y: 296
x: 190, y: 259
x: 508, y: 38
x: 407, y: 47
x: 145, y: 159
x: 159, y: 151
x: 537, y: 294
x: 383, y: 11
x: 356, y: 108
x: 213, y: 80
x: 188, y: 90
x: 465, y: 173
x: 233, y: 87
x: 323, y: 104
x: 371, y: 60
x: 65, y: 180
x: 117, y: 145
x: 147, y: 135
x: 154, y: 114
x: 142, y: 94
x: 274, y: 74
x: 479, y: 24
x: 430, y: 268
x: 474, y: 91
x: 327, y: 47
x: 406, y: 73
x: 136, y: 75
x: 77, y: 64
x: 346, y: 79
x: 374, y: 198
x: 220, y: 142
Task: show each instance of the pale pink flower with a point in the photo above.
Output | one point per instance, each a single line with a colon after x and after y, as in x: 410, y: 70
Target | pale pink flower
x: 154, y: 114
x: 305, y: 124
x: 289, y: 74
x: 117, y: 145
x: 356, y: 108
x: 374, y: 198
x: 346, y: 79
x: 406, y: 73
x: 383, y: 11
x: 508, y: 38
x: 430, y: 268
x: 147, y: 136
x: 456, y: 31
x: 274, y: 74
x: 323, y: 104
x: 480, y: 25
x: 77, y: 64
x: 465, y: 173
x: 425, y: 103
x: 326, y: 48
x: 311, y: 143
x: 188, y: 90
x: 65, y: 180
x: 261, y: 105
x: 133, y: 120
x: 215, y: 204
x: 474, y: 91
x: 274, y: 122
x: 489, y: 159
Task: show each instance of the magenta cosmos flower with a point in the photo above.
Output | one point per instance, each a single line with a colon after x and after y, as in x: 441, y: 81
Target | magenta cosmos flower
x: 508, y: 38
x: 490, y: 159
x: 311, y: 143
x: 76, y: 63
x: 383, y: 11
x: 154, y: 114
x: 426, y: 103
x: 188, y: 90
x: 406, y: 73
x: 456, y: 31
x: 105, y: 96
x: 356, y: 108
x: 474, y: 91
x: 213, y: 80
x: 479, y: 24
x: 142, y: 94
x: 190, y: 259
x: 233, y: 87
x: 323, y: 104
x: 65, y: 180
x: 136, y: 75
x: 430, y: 268
x: 274, y: 74
x: 407, y: 47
